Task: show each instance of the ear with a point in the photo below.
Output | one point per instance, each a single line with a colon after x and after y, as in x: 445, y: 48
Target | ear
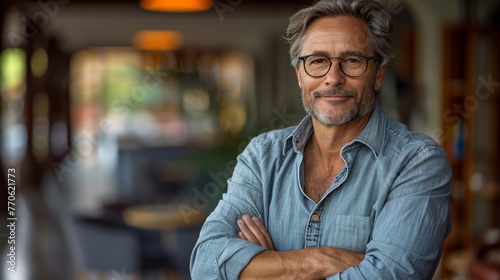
x: 299, y: 77
x: 380, y: 76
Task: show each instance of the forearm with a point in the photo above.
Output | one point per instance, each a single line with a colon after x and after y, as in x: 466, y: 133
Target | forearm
x: 221, y: 259
x: 219, y: 253
x: 309, y: 263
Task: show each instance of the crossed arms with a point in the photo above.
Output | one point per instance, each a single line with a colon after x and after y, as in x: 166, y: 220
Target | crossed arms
x: 309, y: 263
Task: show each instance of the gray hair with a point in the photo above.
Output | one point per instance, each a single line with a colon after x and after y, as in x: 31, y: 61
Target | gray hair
x: 376, y: 17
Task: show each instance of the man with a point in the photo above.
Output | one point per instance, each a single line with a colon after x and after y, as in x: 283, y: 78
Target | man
x: 346, y: 194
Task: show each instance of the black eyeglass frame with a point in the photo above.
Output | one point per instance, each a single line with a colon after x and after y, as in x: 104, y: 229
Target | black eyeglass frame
x: 368, y: 58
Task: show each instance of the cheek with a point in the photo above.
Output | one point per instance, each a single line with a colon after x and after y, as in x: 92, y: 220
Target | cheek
x: 308, y: 84
x: 369, y: 84
x: 368, y: 91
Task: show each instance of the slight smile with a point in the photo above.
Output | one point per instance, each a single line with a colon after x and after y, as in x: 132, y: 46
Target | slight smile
x: 334, y: 97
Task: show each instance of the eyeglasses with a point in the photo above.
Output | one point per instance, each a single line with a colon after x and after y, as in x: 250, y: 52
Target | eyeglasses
x: 317, y: 65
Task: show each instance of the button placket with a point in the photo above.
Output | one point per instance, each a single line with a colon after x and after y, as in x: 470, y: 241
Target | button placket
x: 313, y: 234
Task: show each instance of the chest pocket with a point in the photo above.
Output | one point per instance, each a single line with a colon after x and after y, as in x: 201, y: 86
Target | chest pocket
x: 351, y: 233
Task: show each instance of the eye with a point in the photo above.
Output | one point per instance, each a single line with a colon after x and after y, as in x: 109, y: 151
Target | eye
x: 317, y: 60
x: 352, y: 60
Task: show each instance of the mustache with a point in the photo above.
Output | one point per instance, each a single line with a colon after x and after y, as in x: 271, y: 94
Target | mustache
x: 335, y: 91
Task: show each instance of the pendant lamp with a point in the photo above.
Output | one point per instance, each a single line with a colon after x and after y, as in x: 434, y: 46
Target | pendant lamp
x: 177, y: 5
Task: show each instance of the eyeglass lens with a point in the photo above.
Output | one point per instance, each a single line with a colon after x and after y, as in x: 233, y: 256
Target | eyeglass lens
x: 319, y: 65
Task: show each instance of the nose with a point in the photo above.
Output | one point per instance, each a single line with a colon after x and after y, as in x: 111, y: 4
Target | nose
x: 335, y: 76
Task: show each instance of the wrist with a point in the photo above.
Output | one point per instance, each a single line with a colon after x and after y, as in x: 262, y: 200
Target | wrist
x: 329, y: 261
x: 309, y: 263
x: 301, y: 264
x: 320, y: 263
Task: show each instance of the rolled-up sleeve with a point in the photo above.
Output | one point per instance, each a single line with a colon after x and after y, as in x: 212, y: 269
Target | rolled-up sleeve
x: 219, y: 252
x: 409, y: 232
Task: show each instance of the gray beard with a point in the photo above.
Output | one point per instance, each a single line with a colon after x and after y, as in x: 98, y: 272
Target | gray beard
x: 351, y: 114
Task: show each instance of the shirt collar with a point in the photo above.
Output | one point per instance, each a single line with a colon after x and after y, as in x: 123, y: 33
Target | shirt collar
x: 372, y: 135
x: 374, y: 132
x: 299, y: 136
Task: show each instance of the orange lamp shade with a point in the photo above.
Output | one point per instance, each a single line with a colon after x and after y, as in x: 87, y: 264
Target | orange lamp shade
x: 177, y: 5
x: 152, y: 40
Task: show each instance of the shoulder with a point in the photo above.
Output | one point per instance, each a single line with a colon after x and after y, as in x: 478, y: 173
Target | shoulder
x: 271, y: 140
x: 402, y: 142
x: 264, y: 152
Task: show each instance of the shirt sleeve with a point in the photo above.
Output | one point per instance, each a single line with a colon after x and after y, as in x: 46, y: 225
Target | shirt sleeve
x: 409, y: 232
x: 219, y: 253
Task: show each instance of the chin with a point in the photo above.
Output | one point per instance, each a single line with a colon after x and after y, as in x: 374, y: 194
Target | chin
x: 335, y: 118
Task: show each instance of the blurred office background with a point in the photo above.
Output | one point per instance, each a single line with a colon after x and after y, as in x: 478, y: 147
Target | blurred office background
x: 123, y: 120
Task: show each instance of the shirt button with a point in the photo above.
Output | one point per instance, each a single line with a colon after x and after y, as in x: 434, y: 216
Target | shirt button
x: 315, y: 217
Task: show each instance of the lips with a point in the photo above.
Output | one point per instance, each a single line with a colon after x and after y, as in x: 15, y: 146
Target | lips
x: 334, y: 97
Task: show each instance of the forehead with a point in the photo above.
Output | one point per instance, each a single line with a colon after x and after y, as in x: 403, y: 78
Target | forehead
x: 337, y: 35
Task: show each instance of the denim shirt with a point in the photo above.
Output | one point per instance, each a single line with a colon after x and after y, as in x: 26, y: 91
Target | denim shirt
x: 390, y: 201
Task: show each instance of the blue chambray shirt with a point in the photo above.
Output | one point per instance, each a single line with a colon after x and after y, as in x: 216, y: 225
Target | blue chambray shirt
x: 390, y: 201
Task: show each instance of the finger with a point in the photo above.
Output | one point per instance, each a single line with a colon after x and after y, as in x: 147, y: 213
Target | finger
x: 263, y: 229
x: 242, y: 236
x: 265, y: 233
x: 245, y: 231
x: 256, y: 231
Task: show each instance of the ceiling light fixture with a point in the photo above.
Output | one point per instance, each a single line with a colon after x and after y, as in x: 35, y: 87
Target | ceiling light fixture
x: 153, y: 40
x: 177, y: 6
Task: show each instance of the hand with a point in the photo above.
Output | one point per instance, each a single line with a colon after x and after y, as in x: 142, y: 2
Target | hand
x: 252, y: 229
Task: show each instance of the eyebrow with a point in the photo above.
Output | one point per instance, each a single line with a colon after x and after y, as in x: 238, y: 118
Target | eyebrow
x: 346, y: 53
x: 351, y: 52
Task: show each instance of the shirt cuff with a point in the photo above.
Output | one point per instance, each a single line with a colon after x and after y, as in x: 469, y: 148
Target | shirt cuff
x: 235, y: 257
